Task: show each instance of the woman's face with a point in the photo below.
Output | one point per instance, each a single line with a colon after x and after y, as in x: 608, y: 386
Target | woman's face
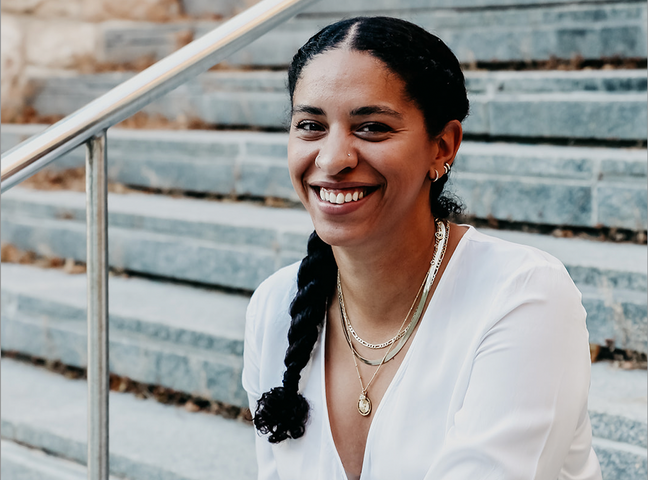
x: 359, y: 155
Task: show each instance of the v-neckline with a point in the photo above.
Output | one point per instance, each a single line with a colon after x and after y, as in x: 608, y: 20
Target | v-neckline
x: 397, y: 376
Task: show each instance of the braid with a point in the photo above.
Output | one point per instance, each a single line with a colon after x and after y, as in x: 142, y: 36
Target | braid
x: 283, y: 411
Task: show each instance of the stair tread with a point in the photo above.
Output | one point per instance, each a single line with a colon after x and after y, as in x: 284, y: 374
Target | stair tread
x: 24, y: 463
x: 147, y: 439
x: 174, y: 306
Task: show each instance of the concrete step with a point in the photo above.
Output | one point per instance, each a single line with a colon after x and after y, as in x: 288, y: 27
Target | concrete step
x: 234, y: 245
x: 184, y: 338
x: 364, y: 7
x: 589, y: 104
x: 238, y: 245
x: 24, y: 463
x: 617, y: 404
x: 148, y: 440
x: 555, y: 185
x: 512, y: 31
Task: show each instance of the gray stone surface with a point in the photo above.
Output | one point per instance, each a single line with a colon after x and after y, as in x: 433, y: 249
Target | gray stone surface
x: 188, y: 339
x: 233, y: 245
x: 554, y: 185
x: 620, y: 461
x: 242, y: 226
x: 617, y: 404
x: 226, y: 7
x: 148, y: 440
x: 584, y: 104
x: 23, y: 463
x: 616, y: 315
x: 154, y: 441
x: 474, y: 34
x: 238, y: 245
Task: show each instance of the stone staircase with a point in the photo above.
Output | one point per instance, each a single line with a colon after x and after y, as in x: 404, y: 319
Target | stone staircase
x: 545, y: 151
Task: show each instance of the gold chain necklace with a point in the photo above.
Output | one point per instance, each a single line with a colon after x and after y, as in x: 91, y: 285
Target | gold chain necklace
x: 441, y: 240
x: 442, y: 233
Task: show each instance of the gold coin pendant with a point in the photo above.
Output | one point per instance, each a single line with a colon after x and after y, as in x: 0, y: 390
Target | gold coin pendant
x: 364, y: 405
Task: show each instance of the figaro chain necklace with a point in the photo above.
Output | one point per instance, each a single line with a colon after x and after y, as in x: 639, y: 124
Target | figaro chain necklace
x: 441, y: 241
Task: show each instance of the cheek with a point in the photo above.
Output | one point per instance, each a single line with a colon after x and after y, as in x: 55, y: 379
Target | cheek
x: 298, y: 163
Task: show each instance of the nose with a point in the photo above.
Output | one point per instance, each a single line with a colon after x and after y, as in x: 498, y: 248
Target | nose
x: 336, y: 155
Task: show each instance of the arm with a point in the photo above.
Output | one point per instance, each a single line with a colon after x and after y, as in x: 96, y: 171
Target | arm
x: 528, y: 388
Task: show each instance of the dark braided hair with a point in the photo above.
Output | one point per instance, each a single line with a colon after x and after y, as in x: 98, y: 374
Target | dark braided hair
x: 434, y: 82
x: 282, y: 412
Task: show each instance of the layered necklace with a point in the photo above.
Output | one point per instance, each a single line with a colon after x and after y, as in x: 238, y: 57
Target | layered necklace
x: 395, y: 344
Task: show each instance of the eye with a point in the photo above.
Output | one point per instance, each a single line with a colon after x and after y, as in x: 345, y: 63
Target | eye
x: 308, y: 126
x: 373, y: 131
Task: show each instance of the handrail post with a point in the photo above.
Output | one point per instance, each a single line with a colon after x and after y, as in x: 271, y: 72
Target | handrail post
x: 97, y: 265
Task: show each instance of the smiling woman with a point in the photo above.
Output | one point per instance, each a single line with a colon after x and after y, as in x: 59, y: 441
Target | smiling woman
x: 404, y: 346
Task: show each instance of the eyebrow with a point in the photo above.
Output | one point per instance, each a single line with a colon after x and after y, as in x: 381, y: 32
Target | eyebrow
x: 373, y: 110
x: 307, y: 109
x: 357, y: 112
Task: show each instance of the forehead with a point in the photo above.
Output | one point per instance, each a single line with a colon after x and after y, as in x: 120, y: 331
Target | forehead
x: 343, y: 75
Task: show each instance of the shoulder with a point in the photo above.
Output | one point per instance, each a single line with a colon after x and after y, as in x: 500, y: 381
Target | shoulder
x: 512, y: 275
x: 506, y: 263
x: 508, y: 255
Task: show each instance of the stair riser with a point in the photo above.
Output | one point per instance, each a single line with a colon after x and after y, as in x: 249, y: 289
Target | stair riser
x: 146, y: 362
x: 618, y: 429
x: 75, y: 317
x: 623, y: 322
x: 621, y: 464
x: 159, y: 255
x: 591, y: 31
x: 579, y: 115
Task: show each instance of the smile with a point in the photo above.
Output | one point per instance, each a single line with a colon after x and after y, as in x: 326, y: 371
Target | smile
x: 337, y: 197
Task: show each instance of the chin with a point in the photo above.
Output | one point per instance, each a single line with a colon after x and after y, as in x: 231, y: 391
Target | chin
x: 339, y: 236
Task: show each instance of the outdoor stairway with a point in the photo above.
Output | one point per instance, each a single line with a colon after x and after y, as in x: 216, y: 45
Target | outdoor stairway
x: 152, y: 441
x: 217, y: 214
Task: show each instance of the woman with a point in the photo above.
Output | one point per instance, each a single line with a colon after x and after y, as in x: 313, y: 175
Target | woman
x: 404, y: 346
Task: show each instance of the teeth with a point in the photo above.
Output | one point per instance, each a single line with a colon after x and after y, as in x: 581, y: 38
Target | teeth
x: 340, y: 198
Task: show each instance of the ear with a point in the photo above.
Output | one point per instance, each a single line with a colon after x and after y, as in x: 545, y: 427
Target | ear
x: 447, y: 144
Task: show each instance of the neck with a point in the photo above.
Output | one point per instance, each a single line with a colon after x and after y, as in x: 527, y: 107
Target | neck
x: 380, y: 282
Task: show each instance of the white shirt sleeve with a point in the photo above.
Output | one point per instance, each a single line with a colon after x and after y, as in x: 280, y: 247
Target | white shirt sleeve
x: 527, y: 394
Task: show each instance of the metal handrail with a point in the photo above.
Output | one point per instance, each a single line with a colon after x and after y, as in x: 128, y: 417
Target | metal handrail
x: 131, y: 96
x: 89, y: 125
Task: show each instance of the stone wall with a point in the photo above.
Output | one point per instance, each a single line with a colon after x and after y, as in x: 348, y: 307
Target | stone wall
x: 61, y: 34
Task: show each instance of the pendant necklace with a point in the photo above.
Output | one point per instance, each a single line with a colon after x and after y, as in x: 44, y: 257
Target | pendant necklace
x: 403, y: 335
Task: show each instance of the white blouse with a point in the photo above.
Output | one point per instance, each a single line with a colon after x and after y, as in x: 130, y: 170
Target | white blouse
x: 493, y: 386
